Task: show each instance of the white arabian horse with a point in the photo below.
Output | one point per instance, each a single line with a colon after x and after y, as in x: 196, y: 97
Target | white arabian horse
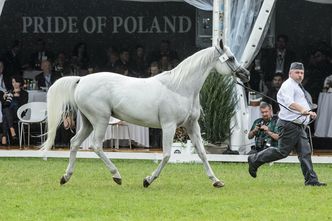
x: 167, y: 101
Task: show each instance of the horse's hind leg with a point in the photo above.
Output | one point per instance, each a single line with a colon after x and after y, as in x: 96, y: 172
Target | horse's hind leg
x: 97, y: 145
x: 75, y: 142
x: 194, y: 133
x: 168, y: 134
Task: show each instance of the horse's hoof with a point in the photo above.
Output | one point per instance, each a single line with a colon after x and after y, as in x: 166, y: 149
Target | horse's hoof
x: 63, y: 180
x: 117, y: 180
x: 218, y: 184
x: 146, y: 183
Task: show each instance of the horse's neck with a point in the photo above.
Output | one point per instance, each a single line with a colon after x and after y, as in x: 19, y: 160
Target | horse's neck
x: 194, y: 71
x: 195, y: 82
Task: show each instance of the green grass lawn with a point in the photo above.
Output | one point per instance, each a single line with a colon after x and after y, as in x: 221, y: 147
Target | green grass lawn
x: 30, y: 190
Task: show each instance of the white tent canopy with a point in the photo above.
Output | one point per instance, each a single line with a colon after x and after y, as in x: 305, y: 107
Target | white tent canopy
x: 321, y: 1
x: 201, y: 4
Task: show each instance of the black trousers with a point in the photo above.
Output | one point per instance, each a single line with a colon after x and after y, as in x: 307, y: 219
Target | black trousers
x: 8, y: 118
x: 292, y: 136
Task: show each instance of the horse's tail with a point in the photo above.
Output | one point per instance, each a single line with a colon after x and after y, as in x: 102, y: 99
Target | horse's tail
x: 60, y: 103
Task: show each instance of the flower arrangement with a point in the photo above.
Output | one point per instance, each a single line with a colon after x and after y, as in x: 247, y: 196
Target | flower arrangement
x: 181, y: 135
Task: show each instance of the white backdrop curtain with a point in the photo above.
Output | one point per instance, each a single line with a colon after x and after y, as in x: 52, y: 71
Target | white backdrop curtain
x: 201, y: 4
x: 242, y: 19
x: 2, y: 2
x: 206, y: 5
x: 321, y: 1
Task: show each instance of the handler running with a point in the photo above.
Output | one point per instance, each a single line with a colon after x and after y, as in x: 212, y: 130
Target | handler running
x: 292, y: 126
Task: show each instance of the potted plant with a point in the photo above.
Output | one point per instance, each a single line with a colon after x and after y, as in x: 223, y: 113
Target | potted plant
x: 218, y: 103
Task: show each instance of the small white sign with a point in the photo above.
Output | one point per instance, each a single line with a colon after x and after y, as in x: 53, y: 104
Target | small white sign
x: 223, y: 58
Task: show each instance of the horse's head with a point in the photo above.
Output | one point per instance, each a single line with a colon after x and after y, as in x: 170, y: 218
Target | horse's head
x: 227, y: 64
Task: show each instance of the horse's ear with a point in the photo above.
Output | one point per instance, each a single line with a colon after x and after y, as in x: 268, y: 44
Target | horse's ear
x: 221, y: 44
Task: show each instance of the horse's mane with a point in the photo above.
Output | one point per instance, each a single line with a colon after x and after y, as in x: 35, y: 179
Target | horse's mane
x: 196, y: 63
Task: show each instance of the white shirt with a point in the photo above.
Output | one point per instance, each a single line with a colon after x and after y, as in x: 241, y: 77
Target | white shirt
x: 2, y: 84
x: 326, y: 82
x: 47, y: 80
x: 290, y: 92
x: 280, y: 60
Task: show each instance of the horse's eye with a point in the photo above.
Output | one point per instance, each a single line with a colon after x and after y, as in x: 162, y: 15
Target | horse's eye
x: 231, y: 58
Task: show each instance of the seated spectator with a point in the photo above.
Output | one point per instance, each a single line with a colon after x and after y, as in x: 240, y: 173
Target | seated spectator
x: 61, y: 65
x: 139, y: 63
x: 112, y: 60
x: 80, y: 59
x: 264, y: 130
x: 11, y: 101
x: 153, y: 69
x: 277, y: 80
x: 164, y: 50
x: 46, y: 78
x: 39, y: 55
x: 2, y: 81
x: 165, y: 63
x: 123, y: 64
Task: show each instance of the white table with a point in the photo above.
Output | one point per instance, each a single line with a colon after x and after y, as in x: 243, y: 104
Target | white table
x: 137, y: 133
x: 37, y: 96
x: 323, y: 124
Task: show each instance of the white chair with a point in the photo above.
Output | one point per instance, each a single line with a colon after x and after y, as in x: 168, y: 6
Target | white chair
x: 115, y: 128
x: 31, y: 113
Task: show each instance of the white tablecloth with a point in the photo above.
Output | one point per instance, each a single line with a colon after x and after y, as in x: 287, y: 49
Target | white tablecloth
x: 0, y: 113
x: 37, y: 96
x: 137, y: 133
x: 323, y: 124
x: 254, y: 114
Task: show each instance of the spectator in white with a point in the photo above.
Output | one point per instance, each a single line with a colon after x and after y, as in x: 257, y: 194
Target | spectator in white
x: 139, y: 63
x: 327, y: 87
x: 2, y: 82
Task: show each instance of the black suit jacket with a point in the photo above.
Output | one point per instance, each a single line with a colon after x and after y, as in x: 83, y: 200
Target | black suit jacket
x: 268, y: 63
x: 41, y: 81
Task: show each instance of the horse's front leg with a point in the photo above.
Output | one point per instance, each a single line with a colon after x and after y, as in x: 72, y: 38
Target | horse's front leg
x: 194, y: 133
x: 168, y: 134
